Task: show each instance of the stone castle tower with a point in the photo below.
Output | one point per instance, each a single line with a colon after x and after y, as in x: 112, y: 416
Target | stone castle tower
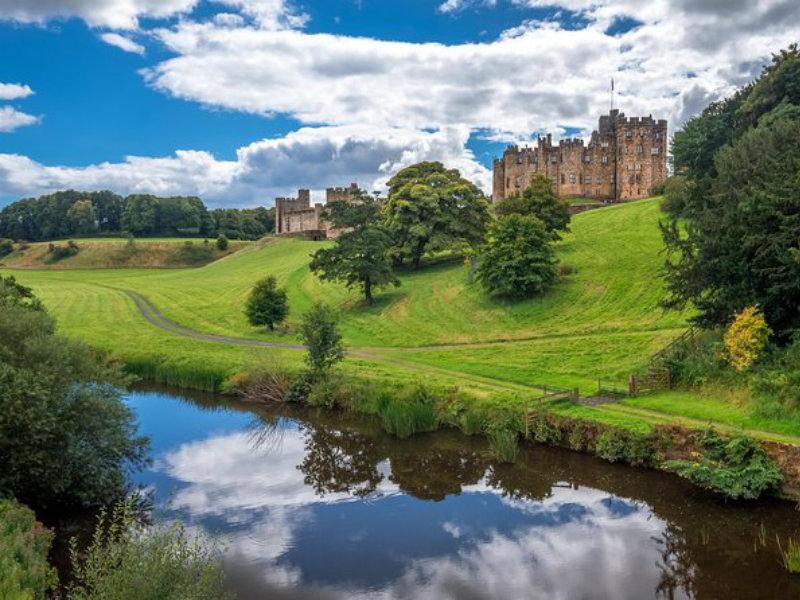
x: 296, y: 216
x: 625, y: 158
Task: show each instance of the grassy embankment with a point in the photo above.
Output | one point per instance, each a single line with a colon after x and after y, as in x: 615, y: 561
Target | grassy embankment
x: 116, y: 253
x: 602, y: 321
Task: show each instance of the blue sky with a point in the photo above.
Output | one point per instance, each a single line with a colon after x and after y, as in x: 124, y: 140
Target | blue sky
x: 241, y: 100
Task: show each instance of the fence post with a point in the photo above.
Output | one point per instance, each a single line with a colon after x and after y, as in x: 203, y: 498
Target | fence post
x: 632, y: 391
x: 576, y: 395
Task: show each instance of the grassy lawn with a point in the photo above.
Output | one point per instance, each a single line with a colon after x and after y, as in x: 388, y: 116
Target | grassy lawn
x: 602, y: 321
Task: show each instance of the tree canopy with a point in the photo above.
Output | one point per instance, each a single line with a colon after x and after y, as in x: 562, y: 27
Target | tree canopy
x: 267, y: 305
x: 70, y: 213
x: 732, y: 234
x: 359, y: 257
x: 517, y: 260
x: 320, y: 333
x: 431, y: 207
x: 540, y: 200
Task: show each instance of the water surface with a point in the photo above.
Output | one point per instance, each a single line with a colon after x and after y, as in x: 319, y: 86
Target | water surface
x: 313, y: 504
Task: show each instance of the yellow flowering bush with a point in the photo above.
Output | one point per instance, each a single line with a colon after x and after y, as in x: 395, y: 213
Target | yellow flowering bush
x: 746, y: 338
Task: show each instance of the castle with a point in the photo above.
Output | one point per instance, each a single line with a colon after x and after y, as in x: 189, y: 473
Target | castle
x: 296, y: 216
x: 624, y: 159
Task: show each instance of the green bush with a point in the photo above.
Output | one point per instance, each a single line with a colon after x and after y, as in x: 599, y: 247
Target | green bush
x: 24, y: 545
x: 410, y: 412
x: 124, y: 562
x: 578, y: 437
x: 56, y: 253
x: 611, y: 445
x: 737, y: 468
x: 6, y: 247
x: 222, y: 243
x: 544, y: 432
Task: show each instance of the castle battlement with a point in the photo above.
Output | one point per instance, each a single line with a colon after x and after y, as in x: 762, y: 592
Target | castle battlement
x: 623, y: 159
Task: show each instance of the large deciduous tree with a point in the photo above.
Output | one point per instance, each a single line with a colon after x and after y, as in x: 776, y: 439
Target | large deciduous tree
x: 360, y: 255
x: 540, y: 200
x: 517, y: 260
x: 732, y: 237
x: 430, y: 206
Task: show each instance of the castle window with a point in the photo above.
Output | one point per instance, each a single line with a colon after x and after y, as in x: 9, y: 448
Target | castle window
x: 638, y: 178
x: 553, y: 158
x: 572, y: 177
x: 534, y: 159
x: 587, y: 179
x: 518, y: 182
x: 587, y: 159
x: 563, y: 178
x: 639, y: 149
x: 612, y: 178
x: 629, y: 134
x: 598, y: 179
x: 630, y: 179
x: 658, y: 135
x: 655, y: 150
x: 605, y: 159
x: 604, y: 145
x: 626, y: 149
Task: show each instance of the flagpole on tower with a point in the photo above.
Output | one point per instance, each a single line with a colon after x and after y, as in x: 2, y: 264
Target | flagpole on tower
x: 612, y: 93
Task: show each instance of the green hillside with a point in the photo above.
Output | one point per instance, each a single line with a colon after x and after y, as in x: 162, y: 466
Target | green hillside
x: 601, y: 321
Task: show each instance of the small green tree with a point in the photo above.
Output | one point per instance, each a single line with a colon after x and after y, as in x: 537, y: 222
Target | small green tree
x: 517, y: 260
x: 222, y: 243
x: 360, y: 255
x: 268, y: 305
x: 320, y: 333
x: 541, y: 201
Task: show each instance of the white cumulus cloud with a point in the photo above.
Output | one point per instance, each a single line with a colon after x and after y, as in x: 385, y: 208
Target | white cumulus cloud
x: 11, y: 119
x: 14, y: 91
x: 310, y: 157
x: 116, y: 14
x: 123, y: 43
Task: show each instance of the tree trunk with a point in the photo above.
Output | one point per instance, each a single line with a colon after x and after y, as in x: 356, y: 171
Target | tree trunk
x: 418, y: 252
x: 368, y: 291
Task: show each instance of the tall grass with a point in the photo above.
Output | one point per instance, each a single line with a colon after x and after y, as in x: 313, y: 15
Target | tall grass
x: 790, y: 556
x: 504, y: 443
x: 411, y: 413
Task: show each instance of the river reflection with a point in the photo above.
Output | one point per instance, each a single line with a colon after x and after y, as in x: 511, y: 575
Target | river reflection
x: 323, y: 505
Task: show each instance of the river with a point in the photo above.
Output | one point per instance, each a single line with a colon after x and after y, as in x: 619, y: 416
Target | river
x: 323, y: 505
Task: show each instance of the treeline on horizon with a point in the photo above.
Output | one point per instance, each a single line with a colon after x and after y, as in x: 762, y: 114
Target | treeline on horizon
x: 72, y: 213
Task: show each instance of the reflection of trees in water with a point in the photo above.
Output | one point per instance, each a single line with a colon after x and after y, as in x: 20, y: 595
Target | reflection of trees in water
x: 341, y: 462
x: 519, y: 483
x: 435, y: 471
x: 266, y: 432
x: 678, y: 570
